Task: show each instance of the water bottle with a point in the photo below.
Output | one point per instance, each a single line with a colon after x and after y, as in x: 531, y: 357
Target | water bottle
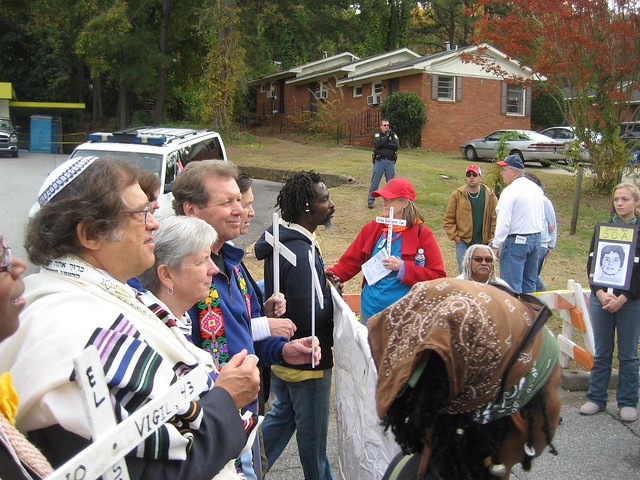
x: 420, y: 260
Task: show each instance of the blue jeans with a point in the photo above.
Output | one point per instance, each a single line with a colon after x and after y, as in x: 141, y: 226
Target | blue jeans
x: 461, y: 249
x: 540, y: 286
x: 519, y: 263
x: 627, y: 322
x: 301, y: 407
x: 387, y: 167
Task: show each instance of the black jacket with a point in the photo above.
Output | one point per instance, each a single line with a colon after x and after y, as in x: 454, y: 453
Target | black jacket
x: 385, y: 146
x: 295, y: 285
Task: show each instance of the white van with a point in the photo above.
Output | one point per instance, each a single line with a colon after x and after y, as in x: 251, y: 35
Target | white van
x: 163, y: 151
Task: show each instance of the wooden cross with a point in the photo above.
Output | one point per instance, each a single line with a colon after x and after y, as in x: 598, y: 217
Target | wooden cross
x: 391, y: 222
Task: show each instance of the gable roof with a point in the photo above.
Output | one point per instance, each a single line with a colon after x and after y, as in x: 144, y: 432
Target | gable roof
x: 448, y: 62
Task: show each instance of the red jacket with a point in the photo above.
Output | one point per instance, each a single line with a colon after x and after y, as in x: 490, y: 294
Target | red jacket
x: 360, y: 251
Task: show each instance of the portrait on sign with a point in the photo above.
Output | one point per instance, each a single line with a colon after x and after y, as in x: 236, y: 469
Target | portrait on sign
x: 614, y: 249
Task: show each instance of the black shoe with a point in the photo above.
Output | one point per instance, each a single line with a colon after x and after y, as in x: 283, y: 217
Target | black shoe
x: 370, y: 205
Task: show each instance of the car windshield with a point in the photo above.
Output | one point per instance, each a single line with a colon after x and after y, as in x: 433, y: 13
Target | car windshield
x: 6, y: 124
x: 147, y: 161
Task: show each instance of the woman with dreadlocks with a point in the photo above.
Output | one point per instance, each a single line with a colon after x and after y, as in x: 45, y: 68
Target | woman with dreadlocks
x: 404, y: 264
x: 468, y: 379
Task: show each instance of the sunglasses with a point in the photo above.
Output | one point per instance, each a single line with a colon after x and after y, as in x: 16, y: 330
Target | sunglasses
x: 472, y: 174
x: 7, y: 258
x: 543, y: 313
x: 481, y: 259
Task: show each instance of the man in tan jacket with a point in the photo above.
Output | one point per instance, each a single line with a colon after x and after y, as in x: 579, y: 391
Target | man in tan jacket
x: 471, y: 214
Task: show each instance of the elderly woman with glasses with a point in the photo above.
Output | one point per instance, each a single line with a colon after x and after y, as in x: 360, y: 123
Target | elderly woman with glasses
x: 478, y: 264
x: 473, y: 386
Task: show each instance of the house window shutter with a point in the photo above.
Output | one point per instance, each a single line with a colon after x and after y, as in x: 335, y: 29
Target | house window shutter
x: 503, y: 102
x: 527, y: 108
x: 458, y: 89
x: 434, y: 87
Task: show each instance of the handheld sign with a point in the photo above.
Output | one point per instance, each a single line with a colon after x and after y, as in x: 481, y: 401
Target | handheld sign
x: 316, y: 292
x: 278, y: 250
x: 391, y: 222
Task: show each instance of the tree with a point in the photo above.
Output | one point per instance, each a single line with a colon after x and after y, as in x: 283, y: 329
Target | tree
x: 587, y: 48
x: 405, y: 111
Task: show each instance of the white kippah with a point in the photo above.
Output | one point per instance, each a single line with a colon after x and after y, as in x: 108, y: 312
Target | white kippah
x: 59, y: 178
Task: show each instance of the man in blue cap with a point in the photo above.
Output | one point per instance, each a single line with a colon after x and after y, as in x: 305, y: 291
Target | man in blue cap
x: 519, y: 225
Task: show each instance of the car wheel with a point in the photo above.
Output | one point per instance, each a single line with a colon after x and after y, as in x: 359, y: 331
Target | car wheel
x: 519, y: 153
x: 14, y: 154
x: 470, y: 153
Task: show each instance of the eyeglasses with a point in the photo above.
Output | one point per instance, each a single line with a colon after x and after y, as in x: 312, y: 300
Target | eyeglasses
x: 481, y: 259
x: 543, y: 313
x: 7, y: 258
x: 472, y: 174
x: 144, y: 212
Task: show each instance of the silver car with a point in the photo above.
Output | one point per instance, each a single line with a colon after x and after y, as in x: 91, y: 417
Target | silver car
x: 530, y: 145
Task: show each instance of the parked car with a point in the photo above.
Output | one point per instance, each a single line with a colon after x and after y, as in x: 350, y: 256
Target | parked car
x: 8, y: 137
x: 528, y: 144
x: 630, y: 130
x: 567, y: 135
x: 163, y: 151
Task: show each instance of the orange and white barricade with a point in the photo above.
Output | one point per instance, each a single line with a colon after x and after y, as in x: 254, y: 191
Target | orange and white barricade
x: 572, y: 306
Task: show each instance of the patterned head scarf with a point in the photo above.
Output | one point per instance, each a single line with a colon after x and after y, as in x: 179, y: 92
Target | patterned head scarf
x: 475, y: 329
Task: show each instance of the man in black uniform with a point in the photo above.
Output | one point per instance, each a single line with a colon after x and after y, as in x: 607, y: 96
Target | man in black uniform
x: 385, y: 145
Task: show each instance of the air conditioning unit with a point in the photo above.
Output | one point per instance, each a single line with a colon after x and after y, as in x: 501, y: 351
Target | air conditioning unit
x: 321, y: 94
x: 271, y: 94
x: 374, y: 99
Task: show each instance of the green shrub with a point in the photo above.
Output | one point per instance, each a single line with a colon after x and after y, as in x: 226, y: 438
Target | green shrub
x: 405, y: 111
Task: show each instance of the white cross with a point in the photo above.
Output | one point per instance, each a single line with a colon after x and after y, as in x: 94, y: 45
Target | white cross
x: 391, y: 222
x: 278, y: 249
x: 316, y: 292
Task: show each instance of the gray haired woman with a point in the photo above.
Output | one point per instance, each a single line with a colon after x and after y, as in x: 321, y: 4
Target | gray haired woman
x: 182, y: 271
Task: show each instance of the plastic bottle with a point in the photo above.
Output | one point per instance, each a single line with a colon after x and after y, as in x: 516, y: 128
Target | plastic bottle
x: 420, y: 260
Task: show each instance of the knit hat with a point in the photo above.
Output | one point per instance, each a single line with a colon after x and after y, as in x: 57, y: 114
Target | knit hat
x: 488, y: 339
x: 396, y: 188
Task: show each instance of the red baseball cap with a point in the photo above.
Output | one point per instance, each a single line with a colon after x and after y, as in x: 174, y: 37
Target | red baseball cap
x: 396, y: 188
x: 474, y: 168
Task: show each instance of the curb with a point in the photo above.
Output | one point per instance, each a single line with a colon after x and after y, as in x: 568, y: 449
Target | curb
x: 578, y: 380
x: 281, y: 176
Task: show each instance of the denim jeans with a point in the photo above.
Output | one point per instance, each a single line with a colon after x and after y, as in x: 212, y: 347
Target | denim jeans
x: 461, y: 249
x: 301, y: 407
x: 519, y: 263
x: 540, y: 286
x: 387, y: 167
x: 627, y: 322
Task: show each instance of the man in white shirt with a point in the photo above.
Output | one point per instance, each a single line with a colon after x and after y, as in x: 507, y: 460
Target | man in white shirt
x: 520, y: 222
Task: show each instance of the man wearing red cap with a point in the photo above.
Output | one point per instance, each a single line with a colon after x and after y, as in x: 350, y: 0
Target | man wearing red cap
x: 405, y: 268
x: 471, y: 214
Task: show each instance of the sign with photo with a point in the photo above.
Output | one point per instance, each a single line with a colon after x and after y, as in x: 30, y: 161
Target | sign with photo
x: 614, y: 254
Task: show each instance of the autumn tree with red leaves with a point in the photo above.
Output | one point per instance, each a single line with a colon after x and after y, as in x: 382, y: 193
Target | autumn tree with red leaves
x: 587, y: 49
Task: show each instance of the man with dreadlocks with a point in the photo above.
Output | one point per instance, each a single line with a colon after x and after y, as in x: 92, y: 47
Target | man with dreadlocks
x: 302, y: 391
x: 479, y: 265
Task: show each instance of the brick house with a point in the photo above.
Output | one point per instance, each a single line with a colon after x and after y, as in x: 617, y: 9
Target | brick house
x: 462, y: 100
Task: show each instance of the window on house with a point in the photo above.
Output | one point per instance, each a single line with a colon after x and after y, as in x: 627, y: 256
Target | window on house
x: 376, y: 88
x: 515, y: 100
x: 446, y: 87
x: 263, y: 87
x: 357, y: 91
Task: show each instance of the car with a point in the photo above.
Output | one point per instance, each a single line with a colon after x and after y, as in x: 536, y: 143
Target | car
x: 528, y: 144
x: 630, y: 130
x: 162, y: 150
x: 8, y: 137
x: 567, y: 135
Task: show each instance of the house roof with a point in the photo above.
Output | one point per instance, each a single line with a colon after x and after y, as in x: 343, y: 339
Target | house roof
x: 447, y: 62
x: 324, y: 64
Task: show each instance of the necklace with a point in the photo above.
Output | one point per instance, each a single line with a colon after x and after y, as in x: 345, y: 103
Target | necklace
x: 471, y: 195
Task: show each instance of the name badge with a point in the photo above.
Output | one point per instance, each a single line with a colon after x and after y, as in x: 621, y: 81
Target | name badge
x: 521, y: 240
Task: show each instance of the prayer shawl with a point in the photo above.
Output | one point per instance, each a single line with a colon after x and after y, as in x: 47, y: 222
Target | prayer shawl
x: 72, y: 305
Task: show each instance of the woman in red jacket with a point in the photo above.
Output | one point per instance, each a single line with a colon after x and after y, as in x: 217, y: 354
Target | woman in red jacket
x: 404, y: 268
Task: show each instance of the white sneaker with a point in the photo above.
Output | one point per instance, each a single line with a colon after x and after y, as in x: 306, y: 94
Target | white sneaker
x: 591, y: 408
x: 628, y: 414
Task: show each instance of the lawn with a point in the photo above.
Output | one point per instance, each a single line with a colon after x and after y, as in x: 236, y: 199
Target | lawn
x: 435, y: 176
